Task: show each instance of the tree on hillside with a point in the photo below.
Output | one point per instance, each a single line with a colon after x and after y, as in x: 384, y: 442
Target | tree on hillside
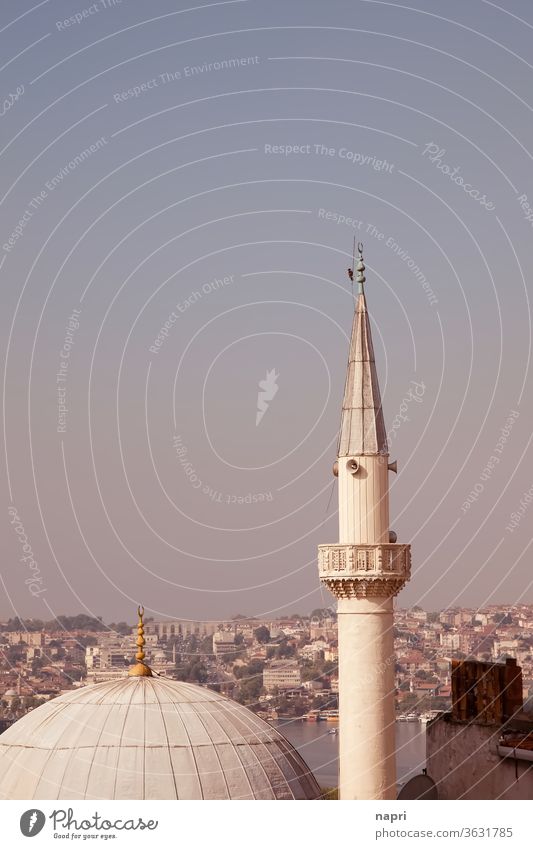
x: 206, y: 646
x: 285, y: 649
x: 121, y: 628
x: 262, y: 634
x: 250, y: 680
x: 194, y: 672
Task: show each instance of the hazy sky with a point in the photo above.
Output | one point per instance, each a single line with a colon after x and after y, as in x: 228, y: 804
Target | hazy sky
x: 181, y: 185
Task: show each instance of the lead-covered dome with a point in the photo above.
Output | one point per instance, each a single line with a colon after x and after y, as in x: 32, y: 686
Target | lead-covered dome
x: 148, y: 738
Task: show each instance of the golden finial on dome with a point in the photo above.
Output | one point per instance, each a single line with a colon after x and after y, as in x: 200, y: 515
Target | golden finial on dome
x: 140, y: 668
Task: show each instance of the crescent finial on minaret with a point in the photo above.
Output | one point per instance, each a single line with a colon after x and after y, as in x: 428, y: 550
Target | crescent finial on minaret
x: 361, y: 269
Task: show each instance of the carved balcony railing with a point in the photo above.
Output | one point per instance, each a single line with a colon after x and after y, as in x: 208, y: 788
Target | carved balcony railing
x: 364, y: 570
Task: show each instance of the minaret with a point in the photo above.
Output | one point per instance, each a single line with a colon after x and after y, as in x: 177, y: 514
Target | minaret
x: 364, y: 570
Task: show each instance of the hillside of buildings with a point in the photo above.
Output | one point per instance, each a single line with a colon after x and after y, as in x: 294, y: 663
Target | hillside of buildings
x: 281, y: 667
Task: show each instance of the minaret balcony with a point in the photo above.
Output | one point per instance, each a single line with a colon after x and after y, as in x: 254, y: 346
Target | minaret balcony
x: 364, y: 570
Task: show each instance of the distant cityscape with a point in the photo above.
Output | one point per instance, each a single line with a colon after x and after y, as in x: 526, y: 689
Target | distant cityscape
x: 286, y: 667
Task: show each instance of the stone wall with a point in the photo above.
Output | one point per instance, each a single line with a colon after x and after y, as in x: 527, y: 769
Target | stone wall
x: 463, y: 761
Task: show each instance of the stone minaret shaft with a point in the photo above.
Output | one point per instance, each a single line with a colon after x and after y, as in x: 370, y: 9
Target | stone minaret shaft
x: 365, y: 570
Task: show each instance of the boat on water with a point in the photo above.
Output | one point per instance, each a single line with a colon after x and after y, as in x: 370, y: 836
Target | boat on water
x: 312, y: 716
x: 431, y: 714
x: 330, y: 715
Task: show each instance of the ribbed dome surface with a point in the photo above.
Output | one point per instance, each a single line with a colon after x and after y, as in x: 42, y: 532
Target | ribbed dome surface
x: 148, y: 738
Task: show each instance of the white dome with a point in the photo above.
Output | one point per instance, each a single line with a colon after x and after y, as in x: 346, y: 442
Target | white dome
x: 148, y: 738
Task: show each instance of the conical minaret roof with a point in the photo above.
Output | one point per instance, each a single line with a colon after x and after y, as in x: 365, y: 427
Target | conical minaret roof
x: 362, y: 428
